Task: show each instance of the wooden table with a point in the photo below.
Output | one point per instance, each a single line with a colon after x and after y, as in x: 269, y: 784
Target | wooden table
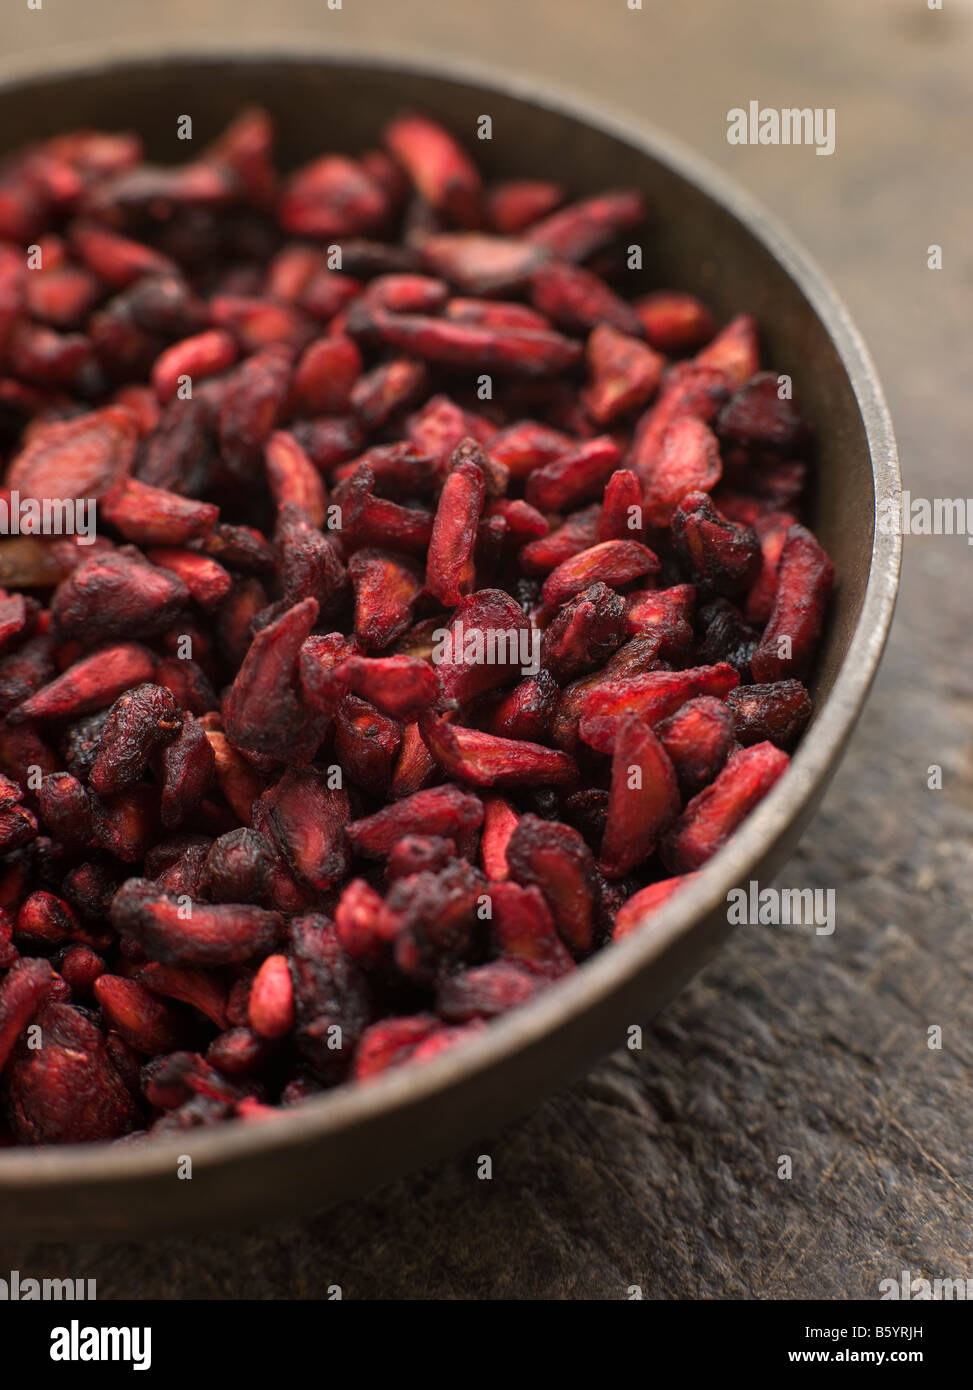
x: 660, y: 1169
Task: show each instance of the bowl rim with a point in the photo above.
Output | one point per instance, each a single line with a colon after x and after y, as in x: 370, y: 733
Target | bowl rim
x: 348, y: 1106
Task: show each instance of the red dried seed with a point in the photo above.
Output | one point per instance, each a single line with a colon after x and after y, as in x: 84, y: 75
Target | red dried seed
x: 398, y: 471
x: 330, y: 441
x: 735, y: 350
x: 237, y: 867
x: 187, y: 766
x: 247, y: 147
x: 441, y: 425
x: 308, y: 562
x: 11, y: 792
x: 293, y: 478
x: 578, y: 533
x: 523, y: 930
x: 445, y: 810
x: 712, y: 816
x: 584, y: 633
x: 255, y: 323
x: 205, y: 354
x: 438, y: 166
x: 526, y: 352
x: 724, y: 558
x: 579, y: 230
x: 576, y: 476
x: 42, y: 917
x: 391, y: 1042
x: 430, y: 918
x: 306, y: 819
x: 263, y: 711
x: 611, y: 562
x: 675, y: 322
x: 499, y: 823
x: 805, y: 577
x: 416, y: 768
x: 371, y: 521
x: 449, y: 565
x: 85, y: 457
x: 325, y: 375
x: 366, y: 744
x: 319, y: 659
x: 127, y: 824
x: 91, y: 683
x: 495, y: 313
x: 62, y: 296
x: 644, y: 797
x: 526, y: 712
x: 400, y: 686
x: 416, y: 854
x: 487, y: 991
x: 478, y: 264
x: 80, y: 968
x: 330, y: 993
x: 483, y: 646
x: 408, y: 294
x: 207, y: 581
x: 771, y: 529
x: 116, y: 594
x: 624, y: 374
x: 272, y: 999
x: 579, y: 301
x: 18, y: 826
x: 115, y: 259
x: 202, y: 991
x: 65, y: 809
x: 139, y: 721
x: 152, y: 516
x: 688, y: 460
x: 653, y: 696
x: 21, y: 750
x: 756, y: 417
x: 688, y: 389
x: 139, y: 1016
x: 22, y: 992
x: 325, y: 298
x: 68, y: 1091
x: 194, y: 934
x: 514, y: 205
x: 386, y: 389
x: 331, y: 197
x: 523, y: 522
x: 553, y: 857
x: 189, y: 684
x: 642, y: 904
x: 666, y: 613
x: 485, y: 760
x: 169, y: 1081
x: 356, y: 917
x: 240, y: 1052
x: 698, y: 739
x: 528, y: 445
x: 445, y: 1040
x: 621, y: 516
x: 776, y: 713
x: 255, y: 397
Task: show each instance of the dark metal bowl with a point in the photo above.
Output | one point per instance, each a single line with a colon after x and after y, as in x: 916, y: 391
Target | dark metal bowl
x: 709, y: 238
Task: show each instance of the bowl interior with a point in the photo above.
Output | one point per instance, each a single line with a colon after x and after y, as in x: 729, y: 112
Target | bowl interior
x: 703, y: 238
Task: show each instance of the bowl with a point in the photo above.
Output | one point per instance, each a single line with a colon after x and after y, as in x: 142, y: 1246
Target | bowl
x: 707, y: 237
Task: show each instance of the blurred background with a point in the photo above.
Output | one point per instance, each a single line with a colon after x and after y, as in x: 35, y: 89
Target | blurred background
x: 659, y: 1169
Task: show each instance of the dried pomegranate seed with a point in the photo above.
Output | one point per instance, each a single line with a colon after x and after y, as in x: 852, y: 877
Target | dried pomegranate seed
x: 440, y: 598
